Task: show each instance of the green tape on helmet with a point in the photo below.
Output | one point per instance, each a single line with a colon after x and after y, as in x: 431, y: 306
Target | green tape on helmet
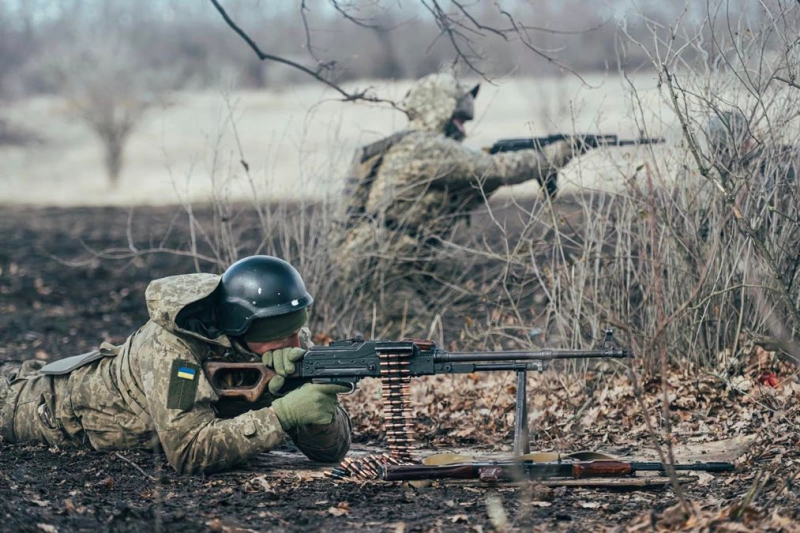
x: 275, y: 327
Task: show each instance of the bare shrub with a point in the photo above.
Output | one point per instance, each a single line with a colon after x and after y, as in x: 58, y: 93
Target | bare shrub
x: 700, y: 246
x: 736, y: 103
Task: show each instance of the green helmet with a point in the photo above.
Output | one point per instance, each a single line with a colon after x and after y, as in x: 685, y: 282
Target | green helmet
x: 263, y: 294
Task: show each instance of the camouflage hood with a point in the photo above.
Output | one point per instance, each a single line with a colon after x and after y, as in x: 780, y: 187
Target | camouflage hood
x: 430, y: 103
x: 183, y: 304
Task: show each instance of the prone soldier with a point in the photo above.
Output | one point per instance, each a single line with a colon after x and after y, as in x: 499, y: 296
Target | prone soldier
x: 153, y: 387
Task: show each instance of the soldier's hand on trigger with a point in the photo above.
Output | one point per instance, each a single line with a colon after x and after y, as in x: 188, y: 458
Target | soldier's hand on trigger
x: 311, y: 404
x: 282, y: 361
x: 560, y: 153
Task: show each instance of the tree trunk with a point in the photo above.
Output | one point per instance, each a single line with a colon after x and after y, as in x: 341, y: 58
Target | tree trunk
x: 114, y: 146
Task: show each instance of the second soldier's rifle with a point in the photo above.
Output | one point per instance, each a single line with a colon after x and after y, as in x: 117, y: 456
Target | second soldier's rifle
x: 589, y: 140
x: 494, y: 471
x: 346, y: 362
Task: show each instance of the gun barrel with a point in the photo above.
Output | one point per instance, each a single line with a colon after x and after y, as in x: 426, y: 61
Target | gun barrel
x: 523, y: 355
x: 537, y: 143
x: 644, y: 140
x: 713, y: 466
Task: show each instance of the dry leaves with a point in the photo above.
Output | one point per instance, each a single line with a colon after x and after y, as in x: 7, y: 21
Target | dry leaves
x: 258, y: 484
x: 340, y: 510
x: 598, y: 410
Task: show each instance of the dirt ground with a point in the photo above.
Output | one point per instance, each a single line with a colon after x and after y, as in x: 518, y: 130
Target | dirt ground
x: 57, y: 299
x: 90, y: 491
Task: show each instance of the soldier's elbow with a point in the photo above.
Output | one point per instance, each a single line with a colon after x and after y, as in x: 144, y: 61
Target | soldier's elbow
x: 186, y: 466
x: 195, y: 460
x: 325, y: 444
x: 332, y: 453
x: 198, y: 467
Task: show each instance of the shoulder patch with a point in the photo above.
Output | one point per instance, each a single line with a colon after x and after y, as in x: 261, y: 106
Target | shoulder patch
x: 184, y: 377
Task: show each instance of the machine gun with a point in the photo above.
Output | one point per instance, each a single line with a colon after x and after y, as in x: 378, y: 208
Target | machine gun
x: 589, y: 140
x: 346, y: 362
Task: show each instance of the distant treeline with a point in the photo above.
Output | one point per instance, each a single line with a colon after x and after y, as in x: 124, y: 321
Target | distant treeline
x: 382, y: 39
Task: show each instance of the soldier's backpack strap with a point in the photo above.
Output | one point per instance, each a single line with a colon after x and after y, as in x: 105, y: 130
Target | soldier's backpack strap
x: 68, y: 364
x: 359, y: 184
x: 381, y: 147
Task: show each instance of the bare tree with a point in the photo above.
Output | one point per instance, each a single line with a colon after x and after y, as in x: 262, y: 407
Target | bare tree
x: 466, y: 28
x: 110, y: 91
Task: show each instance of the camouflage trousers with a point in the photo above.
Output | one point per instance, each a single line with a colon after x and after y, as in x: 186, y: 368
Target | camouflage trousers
x: 30, y: 405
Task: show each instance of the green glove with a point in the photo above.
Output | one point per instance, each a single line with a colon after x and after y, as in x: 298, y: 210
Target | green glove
x: 282, y: 361
x: 310, y: 404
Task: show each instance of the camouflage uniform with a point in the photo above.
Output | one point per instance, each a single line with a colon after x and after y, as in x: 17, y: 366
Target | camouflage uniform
x: 405, y: 193
x: 131, y: 393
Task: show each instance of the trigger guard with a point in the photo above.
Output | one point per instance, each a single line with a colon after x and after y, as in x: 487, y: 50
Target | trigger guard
x: 351, y: 385
x: 352, y: 388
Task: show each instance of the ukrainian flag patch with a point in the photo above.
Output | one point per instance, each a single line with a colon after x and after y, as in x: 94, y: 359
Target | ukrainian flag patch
x: 183, y: 383
x: 186, y: 373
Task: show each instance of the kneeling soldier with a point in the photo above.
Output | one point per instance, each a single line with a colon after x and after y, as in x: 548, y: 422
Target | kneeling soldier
x: 153, y: 385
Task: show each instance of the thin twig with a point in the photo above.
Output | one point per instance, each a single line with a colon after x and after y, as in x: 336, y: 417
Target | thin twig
x: 316, y: 74
x: 134, y: 465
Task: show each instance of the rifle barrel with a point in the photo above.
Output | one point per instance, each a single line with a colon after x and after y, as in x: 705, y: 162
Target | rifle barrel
x: 634, y: 142
x: 544, y: 355
x: 713, y: 466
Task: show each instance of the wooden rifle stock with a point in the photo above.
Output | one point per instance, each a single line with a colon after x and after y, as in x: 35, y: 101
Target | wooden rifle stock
x: 601, y: 469
x: 244, y: 380
x: 575, y: 470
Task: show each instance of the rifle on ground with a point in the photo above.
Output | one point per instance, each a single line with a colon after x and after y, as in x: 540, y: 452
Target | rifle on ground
x: 589, y: 140
x: 346, y: 362
x: 494, y: 471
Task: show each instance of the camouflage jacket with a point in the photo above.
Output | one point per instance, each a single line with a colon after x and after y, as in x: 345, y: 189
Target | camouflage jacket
x: 154, y: 384
x: 420, y: 182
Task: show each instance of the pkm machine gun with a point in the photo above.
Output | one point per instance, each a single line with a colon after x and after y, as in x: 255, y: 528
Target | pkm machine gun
x: 346, y: 362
